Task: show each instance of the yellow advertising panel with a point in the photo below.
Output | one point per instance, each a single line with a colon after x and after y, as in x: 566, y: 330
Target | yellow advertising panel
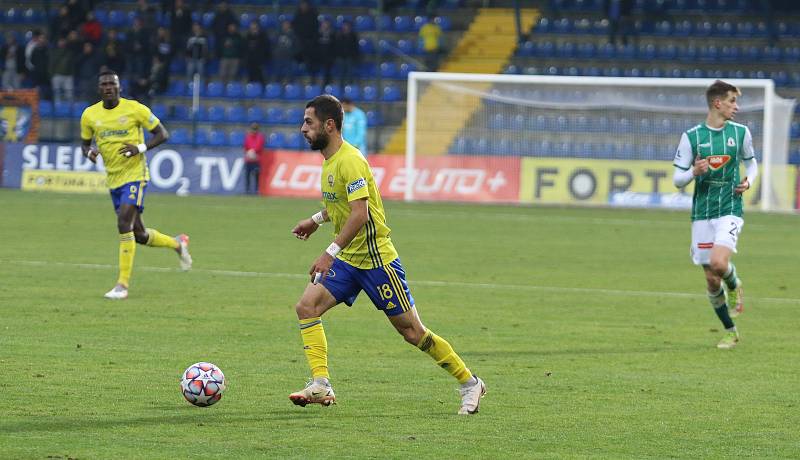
x: 64, y: 181
x: 596, y: 182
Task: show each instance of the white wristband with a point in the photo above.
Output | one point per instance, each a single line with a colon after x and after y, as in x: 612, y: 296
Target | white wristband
x: 142, y: 148
x: 318, y: 218
x: 333, y: 249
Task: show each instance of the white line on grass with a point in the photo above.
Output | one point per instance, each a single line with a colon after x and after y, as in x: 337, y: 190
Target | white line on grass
x: 457, y: 284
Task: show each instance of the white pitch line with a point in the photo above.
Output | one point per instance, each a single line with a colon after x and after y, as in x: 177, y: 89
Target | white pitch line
x: 458, y: 284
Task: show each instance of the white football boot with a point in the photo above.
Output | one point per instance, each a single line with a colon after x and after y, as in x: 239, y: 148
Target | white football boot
x: 118, y: 293
x: 471, y: 397
x: 183, y: 252
x: 314, y: 393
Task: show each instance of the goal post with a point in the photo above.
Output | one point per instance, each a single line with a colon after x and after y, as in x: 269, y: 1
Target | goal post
x: 577, y: 140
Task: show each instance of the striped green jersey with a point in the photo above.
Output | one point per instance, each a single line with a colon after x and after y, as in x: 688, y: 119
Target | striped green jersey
x: 724, y: 148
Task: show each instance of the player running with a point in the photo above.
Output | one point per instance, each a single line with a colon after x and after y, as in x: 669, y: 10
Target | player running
x: 710, y: 154
x: 116, y: 125
x: 361, y: 257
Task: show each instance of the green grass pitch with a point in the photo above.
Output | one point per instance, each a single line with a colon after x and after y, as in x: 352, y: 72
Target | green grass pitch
x: 589, y: 326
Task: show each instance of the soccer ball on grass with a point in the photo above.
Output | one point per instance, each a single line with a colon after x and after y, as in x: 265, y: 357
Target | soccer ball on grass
x: 202, y: 384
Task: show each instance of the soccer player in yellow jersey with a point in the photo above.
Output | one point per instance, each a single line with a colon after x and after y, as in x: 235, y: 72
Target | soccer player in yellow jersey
x: 115, y: 124
x: 361, y: 257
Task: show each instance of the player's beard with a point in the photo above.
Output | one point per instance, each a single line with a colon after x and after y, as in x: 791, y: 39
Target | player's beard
x: 321, y: 141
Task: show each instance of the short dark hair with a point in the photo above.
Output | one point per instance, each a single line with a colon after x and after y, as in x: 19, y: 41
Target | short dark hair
x: 327, y: 107
x: 107, y: 72
x: 720, y: 89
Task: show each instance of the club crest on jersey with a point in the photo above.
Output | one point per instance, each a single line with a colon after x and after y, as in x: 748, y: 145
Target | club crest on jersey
x: 731, y: 142
x: 330, y: 180
x: 716, y: 162
x: 123, y: 119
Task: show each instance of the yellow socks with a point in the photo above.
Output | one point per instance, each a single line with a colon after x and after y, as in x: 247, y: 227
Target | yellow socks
x: 315, y: 345
x: 157, y: 239
x: 127, y: 249
x: 441, y: 351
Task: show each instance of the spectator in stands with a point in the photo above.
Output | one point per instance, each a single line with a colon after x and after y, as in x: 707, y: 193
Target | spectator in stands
x: 196, y: 52
x: 286, y: 53
x: 325, y: 52
x: 159, y: 76
x: 147, y: 13
x: 61, y: 23
x: 354, y: 125
x: 162, y: 47
x: 256, y: 52
x: 76, y: 12
x: 253, y: 149
x: 139, y: 49
x: 113, y: 54
x: 430, y: 36
x: 180, y: 24
x: 619, y: 20
x: 92, y: 30
x: 219, y: 27
x: 62, y: 67
x: 87, y: 69
x: 306, y: 28
x: 13, y: 62
x: 348, y: 52
x: 37, y: 63
x: 231, y: 54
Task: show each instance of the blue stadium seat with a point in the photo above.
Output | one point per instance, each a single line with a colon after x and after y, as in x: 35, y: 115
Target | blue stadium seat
x: 236, y: 138
x: 255, y: 115
x: 179, y: 136
x: 217, y: 138
x: 374, y: 118
x: 62, y: 109
x: 46, y: 109
x: 272, y: 91
x: 386, y: 22
x: 181, y: 113
x: 366, y: 46
x: 312, y: 91
x: 245, y: 19
x: 276, y: 140
x: 215, y: 114
x: 201, y: 137
x: 206, y: 20
x: 116, y: 18
x: 78, y: 108
x: 352, y: 92
x: 292, y: 92
x: 293, y: 116
x: 253, y: 90
x: 234, y: 89
x: 364, y: 24
x: 202, y: 113
x: 274, y: 116
x: 214, y: 89
x: 443, y: 21
x: 403, y: 24
x: 235, y: 114
x: 159, y: 110
x: 391, y: 93
x: 101, y: 14
x: 333, y: 90
x: 406, y: 46
x: 268, y: 21
x: 369, y: 93
x: 296, y: 141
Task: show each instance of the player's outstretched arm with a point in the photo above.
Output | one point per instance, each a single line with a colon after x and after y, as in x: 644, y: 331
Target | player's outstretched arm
x: 306, y: 227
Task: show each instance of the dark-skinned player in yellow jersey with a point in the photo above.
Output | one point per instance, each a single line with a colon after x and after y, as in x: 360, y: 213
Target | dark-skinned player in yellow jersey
x: 116, y: 124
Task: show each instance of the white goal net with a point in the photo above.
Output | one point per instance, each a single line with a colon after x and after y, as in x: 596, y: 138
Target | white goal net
x: 577, y: 140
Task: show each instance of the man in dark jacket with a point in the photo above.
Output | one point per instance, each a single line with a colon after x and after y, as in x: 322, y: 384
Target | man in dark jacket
x: 12, y: 61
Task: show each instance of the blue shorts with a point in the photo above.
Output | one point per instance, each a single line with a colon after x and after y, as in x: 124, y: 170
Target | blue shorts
x: 386, y: 286
x: 130, y: 193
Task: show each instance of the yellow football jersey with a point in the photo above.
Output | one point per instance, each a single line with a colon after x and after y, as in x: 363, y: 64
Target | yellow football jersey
x: 111, y: 130
x: 346, y: 177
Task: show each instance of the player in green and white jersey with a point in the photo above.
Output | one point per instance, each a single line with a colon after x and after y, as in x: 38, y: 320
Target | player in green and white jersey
x: 710, y: 154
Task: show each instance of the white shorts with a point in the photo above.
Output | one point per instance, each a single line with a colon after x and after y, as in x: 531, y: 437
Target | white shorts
x: 723, y: 231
